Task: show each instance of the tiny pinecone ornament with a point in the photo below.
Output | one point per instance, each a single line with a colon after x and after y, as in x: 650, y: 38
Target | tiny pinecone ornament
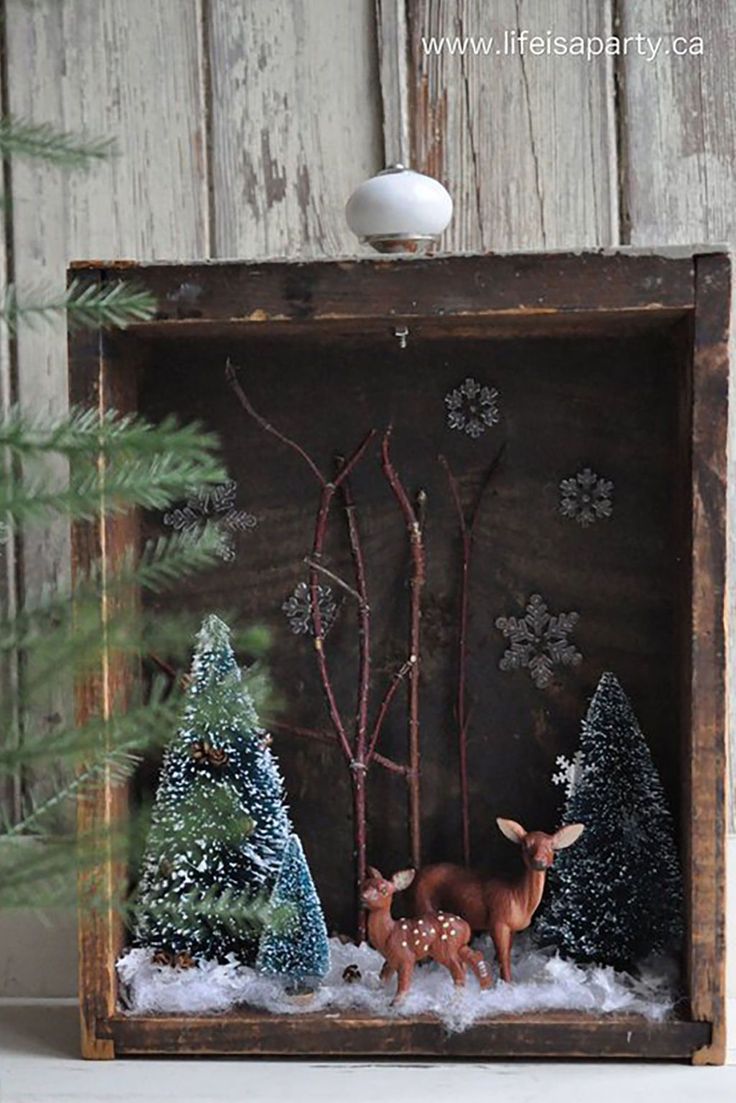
x: 296, y: 946
x: 220, y: 827
x: 616, y: 896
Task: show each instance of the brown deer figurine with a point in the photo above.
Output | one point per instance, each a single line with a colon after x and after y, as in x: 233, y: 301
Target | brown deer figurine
x: 404, y: 942
x: 490, y: 903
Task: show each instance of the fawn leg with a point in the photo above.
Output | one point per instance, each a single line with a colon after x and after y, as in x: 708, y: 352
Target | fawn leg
x: 405, y: 975
x: 501, y: 936
x: 478, y: 964
x: 387, y: 971
x: 457, y: 969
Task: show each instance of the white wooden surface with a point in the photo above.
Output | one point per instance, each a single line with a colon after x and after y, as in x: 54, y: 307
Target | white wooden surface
x: 295, y: 123
x: 526, y: 144
x: 132, y: 71
x: 679, y: 171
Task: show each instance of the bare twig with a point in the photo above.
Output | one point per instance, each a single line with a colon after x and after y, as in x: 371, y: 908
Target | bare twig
x: 354, y: 755
x: 231, y: 374
x: 416, y: 545
x: 388, y: 697
x: 329, y: 738
x: 333, y: 578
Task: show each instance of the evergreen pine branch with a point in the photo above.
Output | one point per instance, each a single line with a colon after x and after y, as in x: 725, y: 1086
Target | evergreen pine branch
x: 142, y: 727
x: 230, y: 909
x: 110, y: 306
x: 162, y: 563
x: 41, y: 141
x: 83, y: 433
x: 151, y: 483
x: 113, y: 768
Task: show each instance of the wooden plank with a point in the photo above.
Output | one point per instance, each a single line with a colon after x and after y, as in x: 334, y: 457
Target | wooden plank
x: 296, y: 123
x: 707, y: 813
x: 444, y: 287
x: 10, y: 791
x: 540, y: 1035
x: 393, y: 60
x: 525, y: 144
x: 98, y: 68
x: 95, y: 382
x: 679, y: 133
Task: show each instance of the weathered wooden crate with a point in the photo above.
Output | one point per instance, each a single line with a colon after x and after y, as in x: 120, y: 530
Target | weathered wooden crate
x: 618, y: 357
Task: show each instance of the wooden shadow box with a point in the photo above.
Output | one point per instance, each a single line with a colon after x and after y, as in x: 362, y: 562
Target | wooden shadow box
x: 618, y: 361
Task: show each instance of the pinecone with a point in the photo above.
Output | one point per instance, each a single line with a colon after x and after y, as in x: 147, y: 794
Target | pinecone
x: 202, y: 751
x: 162, y: 957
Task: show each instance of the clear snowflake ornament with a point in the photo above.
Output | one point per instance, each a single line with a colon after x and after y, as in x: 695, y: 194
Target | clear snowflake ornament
x: 213, y: 505
x: 570, y: 772
x: 298, y: 609
x: 472, y: 407
x: 586, y: 497
x: 538, y: 641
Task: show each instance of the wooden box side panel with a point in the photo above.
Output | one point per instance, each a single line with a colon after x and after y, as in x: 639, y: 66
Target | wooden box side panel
x: 479, y: 286
x: 706, y: 815
x: 95, y: 383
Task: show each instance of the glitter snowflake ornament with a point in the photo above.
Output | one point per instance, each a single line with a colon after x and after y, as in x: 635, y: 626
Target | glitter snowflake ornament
x: 472, y: 407
x: 570, y: 772
x: 298, y: 609
x: 586, y: 497
x: 538, y: 641
x: 213, y: 505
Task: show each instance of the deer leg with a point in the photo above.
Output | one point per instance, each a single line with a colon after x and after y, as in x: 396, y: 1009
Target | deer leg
x: 502, y: 941
x: 457, y: 969
x: 387, y: 971
x: 405, y: 975
x: 477, y: 963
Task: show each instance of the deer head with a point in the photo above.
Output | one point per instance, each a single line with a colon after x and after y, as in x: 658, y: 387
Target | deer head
x: 538, y: 848
x: 377, y: 890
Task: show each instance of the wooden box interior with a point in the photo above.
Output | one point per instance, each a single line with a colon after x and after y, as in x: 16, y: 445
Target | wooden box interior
x: 610, y: 399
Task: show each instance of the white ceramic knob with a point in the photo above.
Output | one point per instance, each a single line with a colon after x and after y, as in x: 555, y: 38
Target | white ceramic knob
x: 399, y: 211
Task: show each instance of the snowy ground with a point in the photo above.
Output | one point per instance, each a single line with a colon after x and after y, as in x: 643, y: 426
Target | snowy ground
x: 542, y: 981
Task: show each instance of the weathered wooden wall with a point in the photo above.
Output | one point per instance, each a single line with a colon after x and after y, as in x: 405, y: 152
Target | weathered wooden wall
x: 242, y: 128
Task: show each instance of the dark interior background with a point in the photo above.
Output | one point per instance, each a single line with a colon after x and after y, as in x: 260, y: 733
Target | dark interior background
x: 610, y: 402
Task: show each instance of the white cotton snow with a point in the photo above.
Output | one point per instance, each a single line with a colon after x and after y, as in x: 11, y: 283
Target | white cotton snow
x: 542, y: 982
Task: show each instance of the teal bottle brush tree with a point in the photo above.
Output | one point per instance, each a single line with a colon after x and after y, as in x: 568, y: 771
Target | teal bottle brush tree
x: 616, y: 896
x: 220, y: 839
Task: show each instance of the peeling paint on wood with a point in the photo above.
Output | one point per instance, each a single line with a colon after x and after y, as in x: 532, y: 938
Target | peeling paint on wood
x: 679, y: 116
x: 296, y: 123
x: 97, y: 68
x: 526, y: 145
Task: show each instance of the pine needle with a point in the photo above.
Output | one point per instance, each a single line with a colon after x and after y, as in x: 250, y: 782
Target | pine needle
x: 110, y: 306
x: 42, y: 141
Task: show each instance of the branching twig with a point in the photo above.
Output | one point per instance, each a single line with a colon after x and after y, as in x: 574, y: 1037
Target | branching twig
x: 333, y: 578
x: 354, y: 755
x: 388, y: 697
x: 329, y: 738
x: 416, y: 544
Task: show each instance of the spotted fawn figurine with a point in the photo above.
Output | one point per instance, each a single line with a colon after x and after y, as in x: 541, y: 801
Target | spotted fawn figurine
x: 489, y: 903
x: 404, y: 942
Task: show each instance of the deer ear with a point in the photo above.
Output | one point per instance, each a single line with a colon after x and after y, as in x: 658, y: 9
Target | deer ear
x: 566, y: 836
x: 403, y: 879
x: 511, y: 829
x: 374, y: 873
